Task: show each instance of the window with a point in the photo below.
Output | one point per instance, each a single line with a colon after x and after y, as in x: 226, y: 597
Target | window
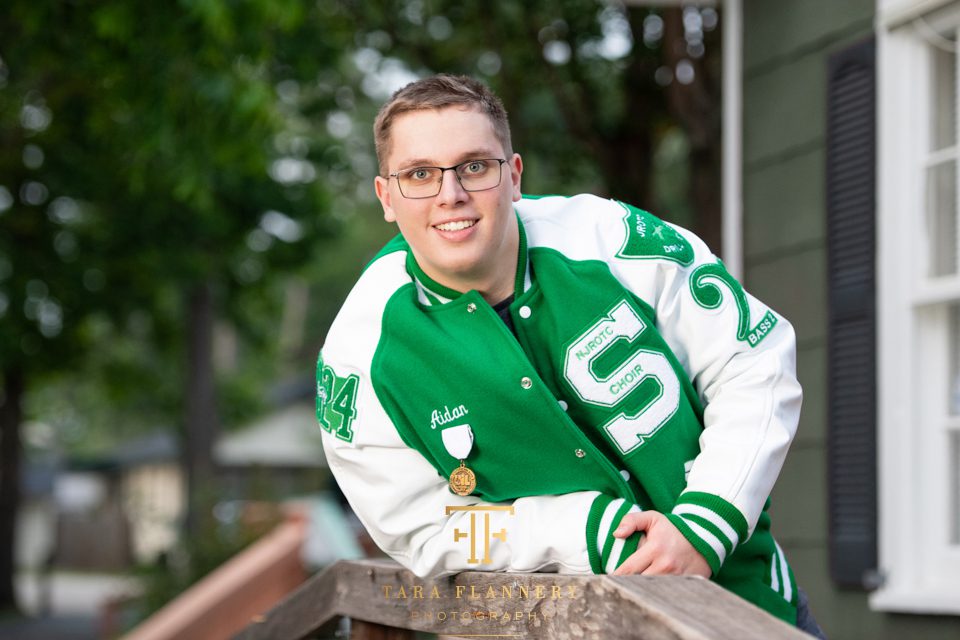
x: 919, y: 308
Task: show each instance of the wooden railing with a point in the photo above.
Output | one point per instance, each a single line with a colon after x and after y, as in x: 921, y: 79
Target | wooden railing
x: 385, y: 601
x: 219, y: 605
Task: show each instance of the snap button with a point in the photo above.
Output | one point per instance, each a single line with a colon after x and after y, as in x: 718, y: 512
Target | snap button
x: 526, y: 382
x: 580, y: 453
x: 563, y: 404
x: 471, y: 307
x: 625, y: 474
x: 525, y: 311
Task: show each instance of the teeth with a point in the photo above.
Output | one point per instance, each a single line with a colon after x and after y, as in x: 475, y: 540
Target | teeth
x: 456, y: 226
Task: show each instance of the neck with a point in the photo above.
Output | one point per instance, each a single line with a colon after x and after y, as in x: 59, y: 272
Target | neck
x: 493, y: 295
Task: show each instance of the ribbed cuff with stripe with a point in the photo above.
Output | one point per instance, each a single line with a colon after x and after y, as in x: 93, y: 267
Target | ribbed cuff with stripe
x: 606, y: 552
x: 711, y: 524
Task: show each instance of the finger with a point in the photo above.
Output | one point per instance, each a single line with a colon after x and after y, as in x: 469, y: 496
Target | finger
x: 632, y: 522
x: 654, y: 569
x: 674, y: 560
x: 637, y: 563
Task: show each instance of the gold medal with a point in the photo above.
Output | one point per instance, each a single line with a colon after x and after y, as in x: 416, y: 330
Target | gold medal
x: 462, y: 480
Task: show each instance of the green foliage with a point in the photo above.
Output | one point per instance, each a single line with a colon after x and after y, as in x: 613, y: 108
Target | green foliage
x: 583, y: 80
x: 199, y: 555
x: 242, y: 396
x: 157, y: 126
x: 113, y: 395
x: 142, y: 147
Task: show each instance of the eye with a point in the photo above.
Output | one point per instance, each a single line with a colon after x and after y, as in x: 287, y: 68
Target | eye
x: 418, y: 174
x: 474, y: 167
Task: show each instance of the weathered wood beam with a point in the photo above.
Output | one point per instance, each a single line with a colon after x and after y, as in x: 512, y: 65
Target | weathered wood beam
x: 518, y: 605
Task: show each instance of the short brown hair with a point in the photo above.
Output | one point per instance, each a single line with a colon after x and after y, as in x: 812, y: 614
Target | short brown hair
x: 437, y: 92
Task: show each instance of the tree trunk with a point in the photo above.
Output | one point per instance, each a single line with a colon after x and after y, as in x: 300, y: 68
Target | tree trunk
x: 11, y: 417
x: 628, y: 151
x: 201, y: 420
x: 696, y: 106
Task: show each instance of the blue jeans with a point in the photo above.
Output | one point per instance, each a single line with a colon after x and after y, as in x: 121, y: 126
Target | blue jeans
x: 805, y: 620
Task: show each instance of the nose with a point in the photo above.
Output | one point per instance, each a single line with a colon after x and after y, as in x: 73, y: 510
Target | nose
x: 451, y: 191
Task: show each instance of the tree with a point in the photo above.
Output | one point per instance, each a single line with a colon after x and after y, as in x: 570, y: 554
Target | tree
x: 143, y: 146
x: 593, y: 88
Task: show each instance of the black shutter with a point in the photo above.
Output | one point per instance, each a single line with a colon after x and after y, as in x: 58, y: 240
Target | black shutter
x: 851, y: 339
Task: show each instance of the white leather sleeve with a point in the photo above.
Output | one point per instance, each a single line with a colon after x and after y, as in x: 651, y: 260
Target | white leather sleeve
x: 750, y: 393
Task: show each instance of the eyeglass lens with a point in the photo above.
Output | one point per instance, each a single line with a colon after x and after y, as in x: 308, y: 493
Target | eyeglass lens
x: 474, y: 175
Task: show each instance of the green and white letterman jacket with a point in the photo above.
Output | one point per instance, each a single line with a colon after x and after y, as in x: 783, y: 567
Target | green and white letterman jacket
x: 642, y: 376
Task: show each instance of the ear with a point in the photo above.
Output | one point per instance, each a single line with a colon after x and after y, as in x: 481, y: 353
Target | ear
x: 516, y: 169
x: 382, y: 187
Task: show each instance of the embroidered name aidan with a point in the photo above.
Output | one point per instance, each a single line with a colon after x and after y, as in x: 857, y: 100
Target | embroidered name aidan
x: 438, y: 418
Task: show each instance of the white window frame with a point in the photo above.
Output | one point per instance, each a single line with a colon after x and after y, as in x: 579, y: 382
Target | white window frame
x: 919, y: 565
x: 732, y: 144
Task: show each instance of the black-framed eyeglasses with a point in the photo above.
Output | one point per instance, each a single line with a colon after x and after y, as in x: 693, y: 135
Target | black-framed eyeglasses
x: 478, y: 174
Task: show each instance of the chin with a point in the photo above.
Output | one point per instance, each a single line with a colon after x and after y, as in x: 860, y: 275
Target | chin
x: 461, y: 271
x: 462, y: 262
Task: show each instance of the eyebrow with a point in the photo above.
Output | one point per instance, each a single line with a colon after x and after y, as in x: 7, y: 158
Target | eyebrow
x: 463, y: 157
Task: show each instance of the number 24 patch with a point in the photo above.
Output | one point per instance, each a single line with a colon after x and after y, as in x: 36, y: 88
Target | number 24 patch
x: 336, y: 402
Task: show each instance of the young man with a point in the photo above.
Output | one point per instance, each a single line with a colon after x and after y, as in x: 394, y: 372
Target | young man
x: 577, y: 360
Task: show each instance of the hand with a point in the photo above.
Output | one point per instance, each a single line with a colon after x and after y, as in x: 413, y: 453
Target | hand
x: 662, y: 551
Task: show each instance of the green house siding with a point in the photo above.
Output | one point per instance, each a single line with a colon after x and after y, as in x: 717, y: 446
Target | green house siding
x: 781, y: 30
x: 812, y: 432
x: 778, y: 203
x: 784, y: 107
x: 786, y: 48
x: 804, y: 524
x: 794, y: 283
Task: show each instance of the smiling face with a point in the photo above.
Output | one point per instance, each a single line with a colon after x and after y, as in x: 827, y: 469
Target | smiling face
x: 462, y: 239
